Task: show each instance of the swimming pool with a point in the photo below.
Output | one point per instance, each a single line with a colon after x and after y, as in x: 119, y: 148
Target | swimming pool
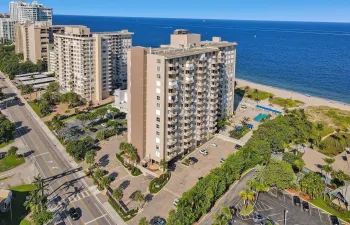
x: 259, y: 117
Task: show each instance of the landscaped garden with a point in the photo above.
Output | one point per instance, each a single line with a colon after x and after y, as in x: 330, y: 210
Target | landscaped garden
x: 334, y: 144
x: 159, y: 182
x: 128, y: 157
x: 253, y: 94
x: 11, y: 160
x: 19, y: 212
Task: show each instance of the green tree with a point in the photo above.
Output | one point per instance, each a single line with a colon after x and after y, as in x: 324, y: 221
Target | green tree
x: 90, y: 157
x: 143, y: 221
x: 83, y: 118
x: 163, y: 164
x: 257, y: 186
x: 118, y: 194
x: 6, y: 129
x: 138, y: 197
x: 113, y: 111
x: 223, y: 217
x: 105, y: 181
x: 78, y: 148
x: 339, y: 178
x: 12, y: 151
x: 247, y: 196
x: 279, y: 174
x: 56, y: 123
x: 43, y: 217
x: 53, y: 87
x: 312, y: 185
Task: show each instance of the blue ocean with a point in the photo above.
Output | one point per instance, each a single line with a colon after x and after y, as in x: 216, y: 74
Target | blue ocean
x: 306, y: 57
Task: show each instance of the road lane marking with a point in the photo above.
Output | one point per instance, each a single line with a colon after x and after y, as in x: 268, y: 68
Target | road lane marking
x: 96, y: 219
x: 40, y: 154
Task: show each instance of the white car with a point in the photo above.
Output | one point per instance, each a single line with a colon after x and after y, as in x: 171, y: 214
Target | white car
x: 222, y: 160
x: 203, y: 152
x: 214, y: 145
x: 175, y: 202
x: 104, y: 125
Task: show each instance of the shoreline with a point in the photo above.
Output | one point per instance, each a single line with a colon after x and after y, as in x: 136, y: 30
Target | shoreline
x: 284, y: 93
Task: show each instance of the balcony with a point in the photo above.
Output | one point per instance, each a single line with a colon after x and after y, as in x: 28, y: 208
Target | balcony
x: 171, y: 128
x: 188, y: 113
x: 214, y: 85
x: 172, y: 79
x: 172, y: 121
x: 200, y: 78
x: 200, y: 71
x: 187, y: 138
x: 188, y: 87
x: 187, y: 94
x: 213, y: 96
x: 172, y: 84
x: 173, y: 93
x: 171, y: 142
x: 188, y: 100
x: 212, y: 67
x: 173, y: 72
x: 188, y: 80
x: 187, y: 120
x: 172, y: 99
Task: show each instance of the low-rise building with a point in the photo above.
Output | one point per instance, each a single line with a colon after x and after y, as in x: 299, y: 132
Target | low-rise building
x: 6, y: 30
x: 5, y: 200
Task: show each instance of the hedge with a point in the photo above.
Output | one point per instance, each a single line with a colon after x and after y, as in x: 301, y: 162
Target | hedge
x: 132, y: 169
x: 161, y: 181
x: 103, y: 134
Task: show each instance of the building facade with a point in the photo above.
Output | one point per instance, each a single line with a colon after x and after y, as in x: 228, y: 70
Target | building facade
x: 33, y: 40
x: 90, y: 64
x: 177, y: 93
x: 7, y: 30
x: 23, y: 12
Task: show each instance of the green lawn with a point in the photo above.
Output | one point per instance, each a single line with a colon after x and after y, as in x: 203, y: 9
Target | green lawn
x: 3, y: 144
x: 10, y: 162
x: 18, y: 211
x: 25, y: 222
x: 320, y: 203
x: 286, y: 102
x: 36, y: 108
x: 336, y: 144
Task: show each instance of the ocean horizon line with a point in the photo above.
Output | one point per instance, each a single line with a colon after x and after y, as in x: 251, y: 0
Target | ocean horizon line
x: 214, y: 19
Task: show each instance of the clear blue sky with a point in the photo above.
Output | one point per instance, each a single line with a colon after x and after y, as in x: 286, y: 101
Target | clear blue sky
x: 292, y: 10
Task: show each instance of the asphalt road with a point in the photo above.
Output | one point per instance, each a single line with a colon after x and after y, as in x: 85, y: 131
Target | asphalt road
x: 70, y: 189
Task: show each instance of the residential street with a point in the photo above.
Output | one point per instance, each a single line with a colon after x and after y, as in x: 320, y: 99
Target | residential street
x: 49, y: 161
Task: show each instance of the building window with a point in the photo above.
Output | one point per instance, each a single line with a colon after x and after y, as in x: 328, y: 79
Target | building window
x: 157, y: 126
x: 158, y: 119
x: 157, y: 147
x: 158, y: 76
x: 158, y: 105
x: 157, y: 133
x: 158, y: 98
x: 158, y: 61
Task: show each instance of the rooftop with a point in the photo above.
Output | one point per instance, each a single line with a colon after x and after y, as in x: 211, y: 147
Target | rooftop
x: 205, y: 46
x: 121, y: 32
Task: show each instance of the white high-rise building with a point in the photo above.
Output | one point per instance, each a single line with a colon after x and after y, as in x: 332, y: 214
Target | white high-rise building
x: 22, y: 12
x: 6, y: 30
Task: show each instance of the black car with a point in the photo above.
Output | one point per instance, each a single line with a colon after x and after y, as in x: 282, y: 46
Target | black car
x: 74, y: 214
x: 93, y: 129
x: 296, y: 200
x: 334, y: 220
x: 193, y: 160
x: 306, y: 206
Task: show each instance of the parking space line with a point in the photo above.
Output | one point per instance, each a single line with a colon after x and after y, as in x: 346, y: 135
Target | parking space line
x: 96, y: 219
x: 319, y: 215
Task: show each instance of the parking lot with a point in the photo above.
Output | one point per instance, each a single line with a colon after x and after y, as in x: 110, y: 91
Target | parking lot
x: 185, y: 177
x: 272, y: 206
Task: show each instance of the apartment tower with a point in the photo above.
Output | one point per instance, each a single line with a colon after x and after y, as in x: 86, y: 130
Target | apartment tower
x: 23, y: 12
x: 90, y: 64
x: 6, y: 29
x: 177, y: 93
x: 33, y: 40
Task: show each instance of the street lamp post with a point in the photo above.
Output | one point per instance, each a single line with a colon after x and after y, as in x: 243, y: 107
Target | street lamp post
x: 285, y: 216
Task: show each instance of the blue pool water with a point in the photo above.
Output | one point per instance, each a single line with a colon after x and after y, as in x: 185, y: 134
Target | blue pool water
x: 259, y: 117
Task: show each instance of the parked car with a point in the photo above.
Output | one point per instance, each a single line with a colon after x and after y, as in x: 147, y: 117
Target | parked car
x: 296, y: 200
x: 203, y: 152
x: 334, y: 220
x: 193, y: 160
x: 200, y: 178
x: 175, y: 202
x: 238, y: 147
x: 258, y: 218
x: 73, y: 213
x: 104, y: 125
x: 306, y: 206
x: 214, y: 145
x: 222, y: 160
x: 158, y: 221
x: 267, y: 222
x: 93, y: 129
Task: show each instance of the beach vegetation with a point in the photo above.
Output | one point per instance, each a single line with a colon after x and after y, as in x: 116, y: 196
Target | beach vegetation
x: 334, y: 118
x: 253, y: 94
x: 285, y: 102
x: 335, y: 144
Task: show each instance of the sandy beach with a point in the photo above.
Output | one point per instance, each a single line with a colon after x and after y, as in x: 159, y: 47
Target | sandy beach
x: 308, y: 100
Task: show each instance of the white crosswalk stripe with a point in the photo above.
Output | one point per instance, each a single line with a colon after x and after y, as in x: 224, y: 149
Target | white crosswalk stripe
x: 78, y: 196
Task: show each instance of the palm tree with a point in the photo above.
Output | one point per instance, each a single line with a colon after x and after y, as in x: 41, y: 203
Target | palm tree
x: 105, y: 181
x: 163, y: 164
x: 223, y: 217
x: 245, y: 121
x: 327, y: 169
x: 139, y: 197
x: 143, y: 221
x: 247, y: 196
x: 90, y: 157
x: 299, y: 164
x: 329, y: 161
x: 118, y: 194
x: 257, y: 186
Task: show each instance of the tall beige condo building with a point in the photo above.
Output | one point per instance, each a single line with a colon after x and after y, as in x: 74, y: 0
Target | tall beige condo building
x: 90, y: 63
x: 23, y: 12
x: 33, y: 40
x: 177, y: 93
